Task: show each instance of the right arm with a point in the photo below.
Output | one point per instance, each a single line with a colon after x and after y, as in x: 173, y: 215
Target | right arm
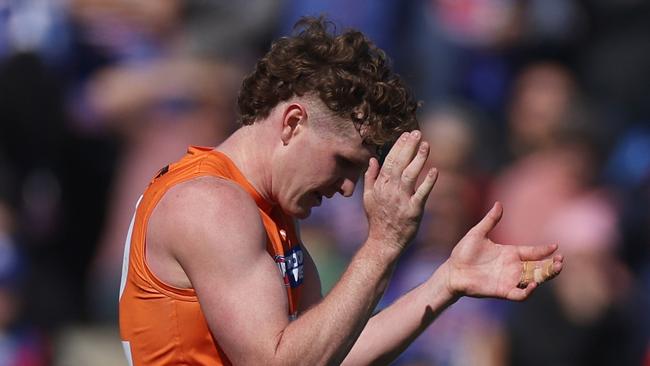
x: 221, y: 248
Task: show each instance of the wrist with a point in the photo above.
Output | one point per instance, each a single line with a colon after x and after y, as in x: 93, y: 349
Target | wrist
x: 443, y: 283
x: 388, y: 238
x: 382, y: 249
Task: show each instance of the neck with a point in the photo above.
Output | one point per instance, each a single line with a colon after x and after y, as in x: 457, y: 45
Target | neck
x: 251, y: 153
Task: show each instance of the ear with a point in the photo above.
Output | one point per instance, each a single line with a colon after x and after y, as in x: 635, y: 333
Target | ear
x: 295, y: 115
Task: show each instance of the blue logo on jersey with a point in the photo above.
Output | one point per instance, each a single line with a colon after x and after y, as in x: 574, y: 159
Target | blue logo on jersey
x: 291, y: 267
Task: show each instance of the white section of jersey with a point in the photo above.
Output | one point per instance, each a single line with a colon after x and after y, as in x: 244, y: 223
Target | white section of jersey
x: 127, y: 352
x: 127, y: 250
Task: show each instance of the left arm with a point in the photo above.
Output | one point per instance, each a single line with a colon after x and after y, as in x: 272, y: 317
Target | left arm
x: 392, y: 330
x: 406, y: 318
x: 477, y: 267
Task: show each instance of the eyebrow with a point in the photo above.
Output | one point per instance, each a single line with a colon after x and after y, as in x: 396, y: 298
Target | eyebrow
x: 355, y: 162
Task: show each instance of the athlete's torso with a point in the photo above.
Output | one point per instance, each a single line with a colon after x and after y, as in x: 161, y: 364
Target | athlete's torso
x: 163, y: 325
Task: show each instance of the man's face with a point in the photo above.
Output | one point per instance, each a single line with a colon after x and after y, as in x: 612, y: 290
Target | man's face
x: 320, y: 164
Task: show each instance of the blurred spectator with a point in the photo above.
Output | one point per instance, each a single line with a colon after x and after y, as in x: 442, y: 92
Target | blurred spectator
x: 452, y: 49
x: 21, y: 344
x: 591, y: 314
x: 543, y: 94
x: 551, y: 193
x: 469, y: 49
x: 552, y: 138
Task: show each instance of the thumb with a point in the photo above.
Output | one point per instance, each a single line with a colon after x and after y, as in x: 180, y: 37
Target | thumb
x: 371, y: 174
x: 490, y: 220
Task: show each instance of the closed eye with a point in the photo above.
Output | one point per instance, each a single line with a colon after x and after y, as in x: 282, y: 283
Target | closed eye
x: 348, y: 163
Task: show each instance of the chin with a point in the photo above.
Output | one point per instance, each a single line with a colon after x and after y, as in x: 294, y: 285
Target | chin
x: 298, y: 212
x: 302, y: 213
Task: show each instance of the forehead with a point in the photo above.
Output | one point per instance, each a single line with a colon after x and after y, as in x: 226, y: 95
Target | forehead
x: 341, y: 134
x: 352, y: 149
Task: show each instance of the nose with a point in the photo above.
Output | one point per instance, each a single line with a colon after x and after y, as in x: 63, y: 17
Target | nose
x: 347, y: 187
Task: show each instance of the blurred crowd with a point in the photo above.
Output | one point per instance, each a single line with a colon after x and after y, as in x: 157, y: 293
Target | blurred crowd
x: 543, y: 105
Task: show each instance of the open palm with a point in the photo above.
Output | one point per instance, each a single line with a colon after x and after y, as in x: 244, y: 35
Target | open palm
x: 479, y: 267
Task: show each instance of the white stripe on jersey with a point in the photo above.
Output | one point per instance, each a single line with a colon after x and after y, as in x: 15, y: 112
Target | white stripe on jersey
x: 127, y: 352
x: 127, y: 250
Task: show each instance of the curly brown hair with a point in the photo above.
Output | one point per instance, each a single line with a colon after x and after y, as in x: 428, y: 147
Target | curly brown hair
x: 347, y: 72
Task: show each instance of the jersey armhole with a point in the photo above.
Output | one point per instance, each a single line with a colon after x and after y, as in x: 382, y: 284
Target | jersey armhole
x: 179, y: 293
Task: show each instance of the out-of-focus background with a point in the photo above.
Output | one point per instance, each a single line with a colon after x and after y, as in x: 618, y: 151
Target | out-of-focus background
x: 543, y: 105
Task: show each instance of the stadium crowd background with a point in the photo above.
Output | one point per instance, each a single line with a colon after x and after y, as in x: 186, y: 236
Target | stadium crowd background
x: 541, y: 104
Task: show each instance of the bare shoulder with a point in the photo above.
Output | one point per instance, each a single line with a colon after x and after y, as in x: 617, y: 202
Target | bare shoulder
x: 202, y: 219
x: 209, y: 204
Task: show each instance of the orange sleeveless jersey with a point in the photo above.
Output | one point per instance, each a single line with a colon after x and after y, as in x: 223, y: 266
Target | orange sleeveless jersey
x: 164, y: 325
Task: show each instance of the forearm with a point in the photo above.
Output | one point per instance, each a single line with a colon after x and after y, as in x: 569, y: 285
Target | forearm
x: 390, y: 332
x: 326, y: 333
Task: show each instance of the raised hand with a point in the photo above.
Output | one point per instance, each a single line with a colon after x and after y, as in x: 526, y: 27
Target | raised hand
x: 393, y: 203
x: 478, y: 267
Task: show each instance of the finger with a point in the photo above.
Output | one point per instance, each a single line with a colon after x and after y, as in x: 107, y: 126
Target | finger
x: 490, y: 220
x: 520, y: 294
x: 371, y: 174
x: 537, y: 252
x: 558, y: 264
x: 388, y: 167
x: 539, y: 271
x: 420, y: 196
x: 402, y: 157
x: 412, y: 171
x: 542, y: 271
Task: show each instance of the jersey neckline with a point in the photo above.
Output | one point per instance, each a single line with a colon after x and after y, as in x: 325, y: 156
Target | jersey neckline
x: 261, y: 202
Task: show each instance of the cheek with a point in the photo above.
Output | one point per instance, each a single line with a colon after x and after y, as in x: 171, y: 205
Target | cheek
x: 318, y: 175
x: 329, y: 170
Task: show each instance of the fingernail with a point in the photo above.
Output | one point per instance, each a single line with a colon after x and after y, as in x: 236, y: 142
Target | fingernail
x: 405, y: 135
x: 415, y: 134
